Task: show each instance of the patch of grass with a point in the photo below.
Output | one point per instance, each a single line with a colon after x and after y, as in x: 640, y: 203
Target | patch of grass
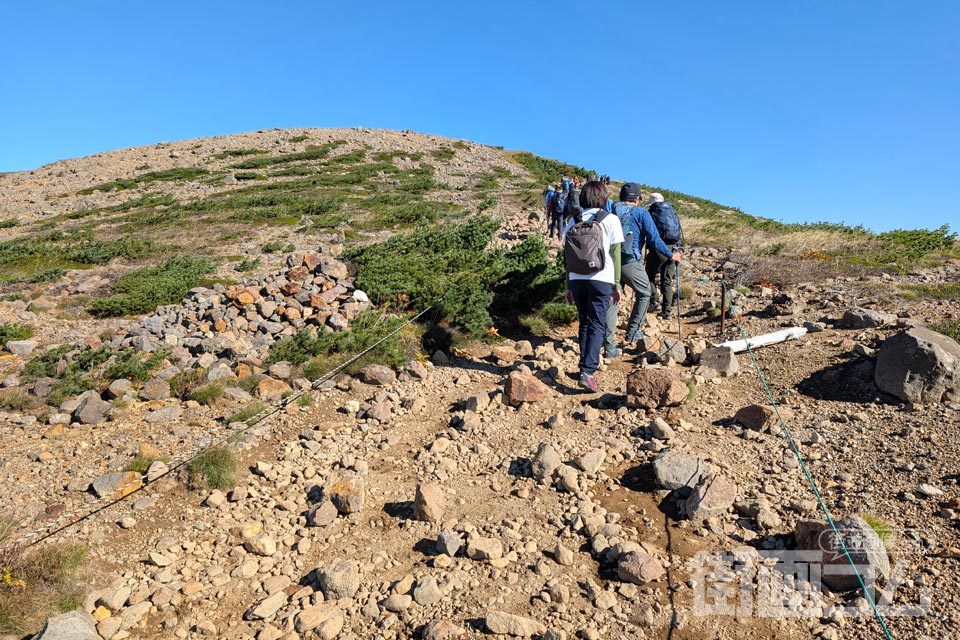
x: 940, y: 291
x: 951, y: 330
x: 16, y: 400
x: 486, y: 182
x: 140, y: 464
x: 882, y: 528
x: 312, y: 153
x: 8, y: 223
x: 14, y: 331
x: 239, y: 153
x: 208, y: 394
x: 691, y: 389
x: 131, y: 365
x: 36, y: 584
x: 487, y: 201
x: 460, y: 144
x: 215, y: 468
x: 686, y: 292
x: 305, y: 400
x: 144, y: 290
x: 248, y: 412
x: 300, y: 138
x: 48, y: 275
x: 185, y: 383
x: 388, y: 156
x: 272, y: 247
x: 44, y: 365
x: 168, y: 175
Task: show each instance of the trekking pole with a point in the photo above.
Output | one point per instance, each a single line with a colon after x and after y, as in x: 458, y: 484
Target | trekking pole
x: 679, y: 331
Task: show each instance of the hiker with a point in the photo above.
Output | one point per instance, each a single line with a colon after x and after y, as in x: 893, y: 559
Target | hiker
x: 592, y: 258
x: 657, y: 263
x: 548, y: 196
x: 572, y: 208
x: 639, y: 231
x: 556, y: 207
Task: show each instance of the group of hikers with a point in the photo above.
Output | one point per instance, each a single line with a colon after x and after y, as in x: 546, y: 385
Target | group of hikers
x: 608, y: 245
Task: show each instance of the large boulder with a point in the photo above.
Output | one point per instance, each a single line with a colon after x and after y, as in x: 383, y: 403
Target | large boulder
x: 865, y: 547
x: 76, y: 625
x: 653, y: 388
x: 919, y: 365
x: 859, y: 318
x: 674, y: 469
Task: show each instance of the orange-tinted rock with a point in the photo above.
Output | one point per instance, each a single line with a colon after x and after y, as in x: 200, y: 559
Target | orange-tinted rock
x: 524, y: 387
x: 270, y: 390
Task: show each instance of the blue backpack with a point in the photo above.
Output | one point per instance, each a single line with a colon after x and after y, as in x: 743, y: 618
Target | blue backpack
x: 667, y: 222
x: 625, y: 213
x: 558, y: 204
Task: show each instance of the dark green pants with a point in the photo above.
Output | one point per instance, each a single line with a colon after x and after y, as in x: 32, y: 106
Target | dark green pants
x: 660, y: 265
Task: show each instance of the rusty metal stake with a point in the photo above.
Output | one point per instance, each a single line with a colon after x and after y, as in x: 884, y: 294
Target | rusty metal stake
x: 723, y: 309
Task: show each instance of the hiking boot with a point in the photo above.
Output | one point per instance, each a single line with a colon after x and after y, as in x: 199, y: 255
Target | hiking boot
x: 589, y: 382
x: 654, y: 306
x: 632, y: 337
x: 665, y: 314
x: 611, y: 354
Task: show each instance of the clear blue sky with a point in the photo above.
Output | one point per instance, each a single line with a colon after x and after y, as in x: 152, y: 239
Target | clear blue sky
x: 846, y: 111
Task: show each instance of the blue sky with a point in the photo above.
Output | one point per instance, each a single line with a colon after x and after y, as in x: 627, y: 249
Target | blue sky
x: 799, y: 111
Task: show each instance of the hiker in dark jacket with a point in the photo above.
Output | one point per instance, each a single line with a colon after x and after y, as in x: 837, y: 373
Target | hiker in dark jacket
x: 639, y: 231
x: 659, y: 264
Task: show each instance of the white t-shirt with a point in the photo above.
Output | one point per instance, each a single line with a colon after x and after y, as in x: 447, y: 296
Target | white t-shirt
x: 612, y: 234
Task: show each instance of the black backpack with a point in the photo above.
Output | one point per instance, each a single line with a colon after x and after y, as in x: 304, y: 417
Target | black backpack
x: 584, y: 251
x: 667, y: 222
x: 573, y: 208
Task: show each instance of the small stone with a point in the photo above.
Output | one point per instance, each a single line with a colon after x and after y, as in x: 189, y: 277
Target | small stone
x: 267, y: 607
x: 591, y: 461
x: 563, y: 555
x: 448, y: 543
x: 638, y: 567
x: 545, y: 462
x: 347, y: 495
x: 397, y: 602
x: 484, y: 549
x: 929, y: 491
x: 261, y: 545
x: 512, y: 625
x: 326, y: 620
x: 426, y: 592
x: 524, y: 387
x: 377, y: 374
x: 441, y: 630
x: 322, y: 514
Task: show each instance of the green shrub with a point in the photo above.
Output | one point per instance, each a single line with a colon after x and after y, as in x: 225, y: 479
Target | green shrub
x: 238, y: 153
x: 451, y: 269
x: 215, y: 468
x: 535, y: 324
x: 247, y: 264
x: 14, y: 331
x: 167, y: 175
x: 44, y: 365
x: 686, y: 292
x: 312, y: 153
x: 209, y: 394
x: 272, y: 247
x: 144, y: 290
x: 131, y: 365
x: 940, y: 291
x: 48, y: 275
x: 7, y: 223
x: 444, y: 153
x: 559, y: 313
x: 367, y: 329
x: 186, y: 382
x: 547, y: 171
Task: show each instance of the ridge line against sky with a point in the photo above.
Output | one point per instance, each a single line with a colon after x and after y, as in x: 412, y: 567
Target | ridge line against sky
x: 801, y: 112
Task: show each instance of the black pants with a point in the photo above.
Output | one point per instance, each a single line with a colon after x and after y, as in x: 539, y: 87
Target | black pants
x: 592, y: 299
x: 658, y: 264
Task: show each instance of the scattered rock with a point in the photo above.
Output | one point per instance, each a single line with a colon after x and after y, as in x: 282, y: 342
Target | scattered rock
x: 712, y: 496
x: 654, y: 388
x: 511, y: 625
x: 429, y: 503
x: 638, y: 567
x: 339, y: 579
x: 920, y: 366
x: 864, y: 545
x: 673, y: 469
x: 347, y: 495
x: 524, y: 387
x: 858, y: 318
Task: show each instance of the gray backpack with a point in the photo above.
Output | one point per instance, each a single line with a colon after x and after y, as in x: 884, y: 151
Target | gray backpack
x: 584, y: 252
